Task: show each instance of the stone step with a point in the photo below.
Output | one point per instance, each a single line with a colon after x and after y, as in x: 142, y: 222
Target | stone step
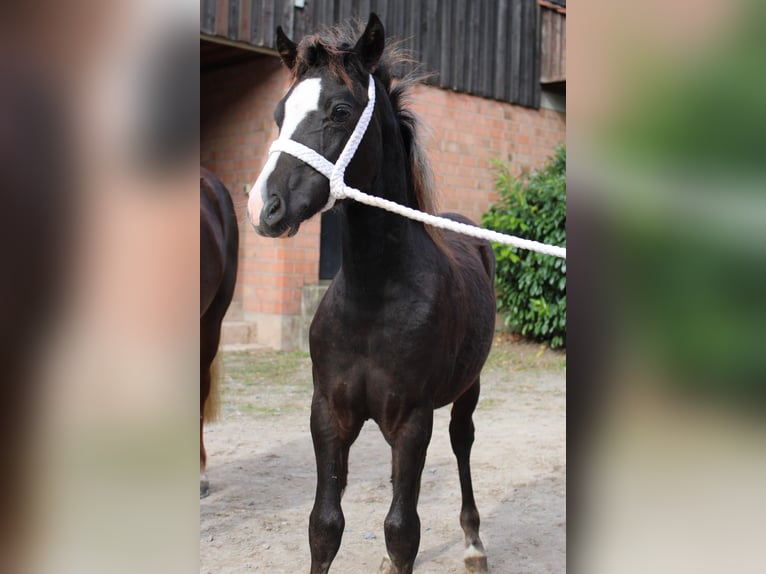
x: 235, y: 312
x: 238, y: 333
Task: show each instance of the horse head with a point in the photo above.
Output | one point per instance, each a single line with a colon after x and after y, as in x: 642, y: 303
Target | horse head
x: 320, y: 111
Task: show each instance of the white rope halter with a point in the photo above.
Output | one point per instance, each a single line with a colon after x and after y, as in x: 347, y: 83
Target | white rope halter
x: 332, y: 172
x: 339, y: 189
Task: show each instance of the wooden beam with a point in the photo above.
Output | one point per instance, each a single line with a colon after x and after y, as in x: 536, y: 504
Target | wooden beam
x: 240, y: 45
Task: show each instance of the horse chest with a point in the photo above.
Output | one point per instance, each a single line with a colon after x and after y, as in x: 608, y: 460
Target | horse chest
x: 390, y: 348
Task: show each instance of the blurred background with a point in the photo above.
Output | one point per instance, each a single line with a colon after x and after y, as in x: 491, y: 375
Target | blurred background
x: 99, y: 150
x: 667, y: 245
x: 99, y: 117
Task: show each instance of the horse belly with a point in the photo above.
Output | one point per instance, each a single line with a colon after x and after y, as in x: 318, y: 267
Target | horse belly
x: 461, y: 366
x: 212, y: 257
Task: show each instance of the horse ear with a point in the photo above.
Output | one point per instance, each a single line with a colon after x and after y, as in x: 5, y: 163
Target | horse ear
x: 286, y: 47
x: 370, y: 45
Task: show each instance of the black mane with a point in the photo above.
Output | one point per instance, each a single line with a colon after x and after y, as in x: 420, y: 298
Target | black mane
x: 397, y: 71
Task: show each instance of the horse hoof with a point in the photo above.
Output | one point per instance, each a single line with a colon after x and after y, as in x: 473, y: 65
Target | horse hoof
x: 476, y: 565
x: 204, y: 488
x: 475, y: 561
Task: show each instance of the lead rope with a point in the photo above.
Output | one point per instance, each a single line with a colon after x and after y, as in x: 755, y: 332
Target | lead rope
x: 339, y: 189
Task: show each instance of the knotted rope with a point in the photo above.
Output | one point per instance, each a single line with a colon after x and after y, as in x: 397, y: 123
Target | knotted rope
x: 339, y: 190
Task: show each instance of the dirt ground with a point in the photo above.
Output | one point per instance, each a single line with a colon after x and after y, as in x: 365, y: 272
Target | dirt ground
x: 262, y: 475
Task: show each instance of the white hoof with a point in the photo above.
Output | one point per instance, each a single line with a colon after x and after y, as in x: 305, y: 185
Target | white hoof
x: 475, y: 560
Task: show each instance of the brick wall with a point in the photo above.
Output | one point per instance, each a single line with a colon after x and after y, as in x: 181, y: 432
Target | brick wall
x: 463, y: 135
x: 237, y: 127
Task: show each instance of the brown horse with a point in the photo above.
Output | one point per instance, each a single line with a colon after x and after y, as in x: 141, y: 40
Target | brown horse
x: 219, y: 245
x: 407, y: 323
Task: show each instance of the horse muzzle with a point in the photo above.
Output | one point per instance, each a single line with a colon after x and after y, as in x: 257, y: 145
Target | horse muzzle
x: 273, y: 220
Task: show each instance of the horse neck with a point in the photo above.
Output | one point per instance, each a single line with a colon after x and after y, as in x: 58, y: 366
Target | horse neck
x: 377, y: 244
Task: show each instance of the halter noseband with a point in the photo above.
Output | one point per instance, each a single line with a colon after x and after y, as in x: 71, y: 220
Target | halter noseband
x: 333, y: 172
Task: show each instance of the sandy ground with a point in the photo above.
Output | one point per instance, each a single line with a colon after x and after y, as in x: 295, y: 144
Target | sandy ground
x: 261, y: 470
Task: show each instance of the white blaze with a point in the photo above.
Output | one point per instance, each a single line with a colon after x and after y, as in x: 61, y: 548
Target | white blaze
x: 304, y: 99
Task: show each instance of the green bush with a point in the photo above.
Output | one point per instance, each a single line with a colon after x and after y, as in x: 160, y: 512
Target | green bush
x: 531, y: 287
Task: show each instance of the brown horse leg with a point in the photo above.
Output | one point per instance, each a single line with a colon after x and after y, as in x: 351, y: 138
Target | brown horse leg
x: 461, y: 431
x: 331, y: 449
x: 402, y: 524
x: 204, y: 484
x: 204, y: 391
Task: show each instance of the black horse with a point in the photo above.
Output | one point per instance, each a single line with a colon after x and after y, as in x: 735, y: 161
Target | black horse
x: 219, y: 245
x: 407, y: 324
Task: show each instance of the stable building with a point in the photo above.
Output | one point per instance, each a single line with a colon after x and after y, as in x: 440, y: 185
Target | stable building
x: 497, y: 92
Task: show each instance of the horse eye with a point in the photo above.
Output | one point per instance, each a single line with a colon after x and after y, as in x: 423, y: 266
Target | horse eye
x: 340, y: 113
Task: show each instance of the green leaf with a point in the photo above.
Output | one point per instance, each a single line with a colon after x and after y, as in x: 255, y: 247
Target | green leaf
x: 531, y: 288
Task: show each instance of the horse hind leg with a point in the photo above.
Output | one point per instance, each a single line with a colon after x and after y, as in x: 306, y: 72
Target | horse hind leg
x: 210, y: 380
x: 461, y: 432
x: 204, y: 483
x: 209, y: 407
x: 204, y: 388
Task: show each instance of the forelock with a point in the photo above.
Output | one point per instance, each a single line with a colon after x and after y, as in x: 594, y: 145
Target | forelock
x: 339, y: 60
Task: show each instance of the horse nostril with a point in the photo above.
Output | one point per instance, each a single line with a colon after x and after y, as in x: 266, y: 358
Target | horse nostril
x: 273, y: 206
x: 274, y: 209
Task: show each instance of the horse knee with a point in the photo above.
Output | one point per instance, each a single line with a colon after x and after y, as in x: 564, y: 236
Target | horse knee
x: 325, y: 531
x: 402, y: 532
x: 326, y: 524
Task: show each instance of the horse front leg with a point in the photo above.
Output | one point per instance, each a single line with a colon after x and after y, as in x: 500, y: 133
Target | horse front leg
x: 461, y: 431
x: 331, y: 447
x: 402, y: 524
